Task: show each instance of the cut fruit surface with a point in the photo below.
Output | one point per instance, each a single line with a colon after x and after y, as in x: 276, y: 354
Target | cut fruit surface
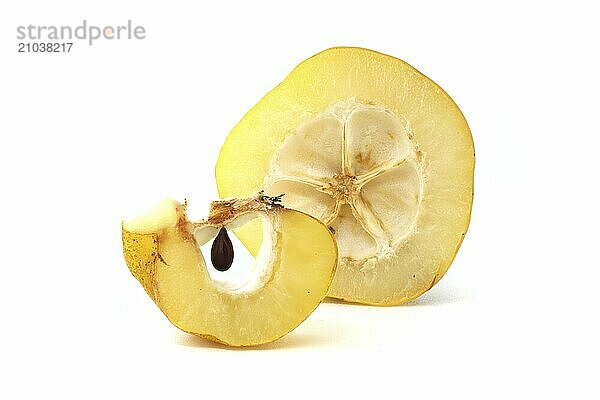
x: 375, y: 150
x: 292, y: 272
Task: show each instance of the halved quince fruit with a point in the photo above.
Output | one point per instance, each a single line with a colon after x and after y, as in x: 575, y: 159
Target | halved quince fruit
x: 375, y: 150
x: 292, y: 272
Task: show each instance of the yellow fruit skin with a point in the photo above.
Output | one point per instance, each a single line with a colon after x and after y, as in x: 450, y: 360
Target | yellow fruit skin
x: 334, y: 75
x: 141, y: 251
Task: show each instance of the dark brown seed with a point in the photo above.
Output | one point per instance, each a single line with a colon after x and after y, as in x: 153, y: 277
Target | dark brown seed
x: 221, y: 253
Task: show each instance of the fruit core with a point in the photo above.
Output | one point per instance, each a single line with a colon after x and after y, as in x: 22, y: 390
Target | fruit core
x: 343, y: 188
x: 235, y: 277
x: 357, y: 168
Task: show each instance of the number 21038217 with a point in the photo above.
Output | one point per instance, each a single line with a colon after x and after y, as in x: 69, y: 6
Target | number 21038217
x: 45, y: 47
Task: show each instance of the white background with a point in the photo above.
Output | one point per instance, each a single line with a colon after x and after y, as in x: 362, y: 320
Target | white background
x: 94, y: 135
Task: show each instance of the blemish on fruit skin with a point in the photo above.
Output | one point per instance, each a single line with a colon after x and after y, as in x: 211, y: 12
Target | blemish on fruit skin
x: 160, y: 257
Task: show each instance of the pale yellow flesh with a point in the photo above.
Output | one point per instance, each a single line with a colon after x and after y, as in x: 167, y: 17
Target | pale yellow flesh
x: 173, y: 271
x: 421, y: 178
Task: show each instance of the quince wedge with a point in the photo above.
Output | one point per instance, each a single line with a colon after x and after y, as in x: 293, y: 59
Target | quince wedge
x: 258, y: 304
x: 375, y: 150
